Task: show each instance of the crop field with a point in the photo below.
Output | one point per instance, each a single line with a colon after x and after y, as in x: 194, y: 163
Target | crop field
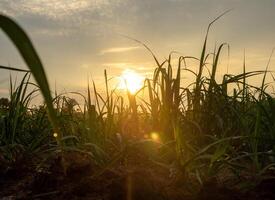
x: 210, y: 139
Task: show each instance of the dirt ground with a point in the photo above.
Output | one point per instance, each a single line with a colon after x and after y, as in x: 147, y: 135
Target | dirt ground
x: 139, y: 178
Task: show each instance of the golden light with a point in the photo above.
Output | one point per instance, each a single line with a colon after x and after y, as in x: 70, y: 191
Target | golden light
x: 55, y: 135
x: 154, y: 136
x: 131, y: 81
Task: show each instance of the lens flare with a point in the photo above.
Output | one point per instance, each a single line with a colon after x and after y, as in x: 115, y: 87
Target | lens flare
x: 154, y: 136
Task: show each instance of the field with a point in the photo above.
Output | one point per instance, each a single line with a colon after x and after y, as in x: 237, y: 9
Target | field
x: 208, y: 140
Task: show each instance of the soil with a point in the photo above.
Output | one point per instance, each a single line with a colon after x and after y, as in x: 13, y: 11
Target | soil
x: 74, y: 176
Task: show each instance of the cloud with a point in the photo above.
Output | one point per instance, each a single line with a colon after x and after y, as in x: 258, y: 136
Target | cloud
x: 62, y: 17
x: 144, y: 69
x: 119, y: 65
x: 55, y: 9
x: 119, y: 49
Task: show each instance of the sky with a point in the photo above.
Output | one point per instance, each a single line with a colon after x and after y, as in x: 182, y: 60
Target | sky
x: 77, y: 39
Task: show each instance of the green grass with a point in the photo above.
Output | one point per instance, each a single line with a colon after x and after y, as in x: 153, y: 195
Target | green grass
x: 204, y: 127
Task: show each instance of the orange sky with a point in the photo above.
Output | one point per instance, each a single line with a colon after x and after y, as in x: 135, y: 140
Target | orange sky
x: 81, y: 38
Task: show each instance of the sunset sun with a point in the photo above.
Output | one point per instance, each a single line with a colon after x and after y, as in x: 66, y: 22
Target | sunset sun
x: 131, y: 81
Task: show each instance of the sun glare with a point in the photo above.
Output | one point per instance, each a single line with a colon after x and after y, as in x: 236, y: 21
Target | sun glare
x: 131, y: 81
x: 154, y: 136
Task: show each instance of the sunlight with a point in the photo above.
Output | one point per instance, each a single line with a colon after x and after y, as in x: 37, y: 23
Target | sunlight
x: 154, y: 136
x: 131, y: 81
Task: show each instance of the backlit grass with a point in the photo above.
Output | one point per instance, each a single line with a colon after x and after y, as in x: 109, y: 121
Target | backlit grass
x: 198, y: 130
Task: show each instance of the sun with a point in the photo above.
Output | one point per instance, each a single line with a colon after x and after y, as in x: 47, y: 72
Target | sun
x: 131, y: 81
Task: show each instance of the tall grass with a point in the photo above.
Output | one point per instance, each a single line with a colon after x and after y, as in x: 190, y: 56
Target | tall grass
x: 203, y: 127
x: 31, y: 58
